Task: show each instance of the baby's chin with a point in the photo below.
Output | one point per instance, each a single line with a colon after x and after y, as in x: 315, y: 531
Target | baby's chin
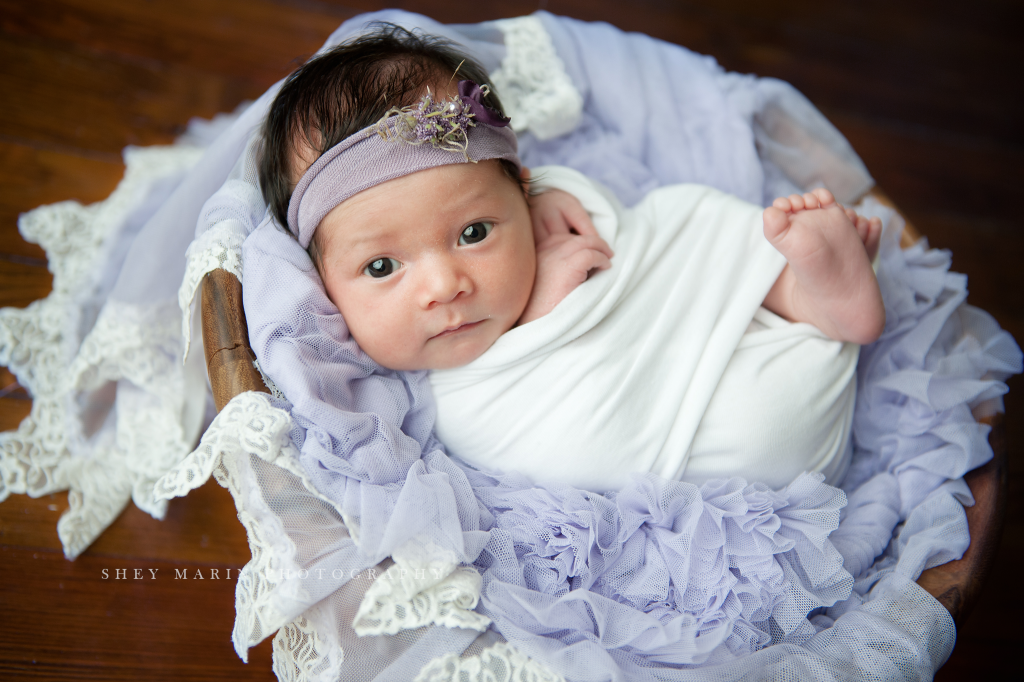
x: 457, y: 357
x: 447, y: 352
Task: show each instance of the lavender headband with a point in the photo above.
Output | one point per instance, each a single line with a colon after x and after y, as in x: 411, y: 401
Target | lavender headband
x: 414, y: 138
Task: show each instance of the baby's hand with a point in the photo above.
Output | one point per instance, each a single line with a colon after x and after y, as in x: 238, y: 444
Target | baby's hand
x: 568, y: 249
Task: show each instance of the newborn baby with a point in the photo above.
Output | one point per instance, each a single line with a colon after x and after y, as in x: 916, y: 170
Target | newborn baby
x: 433, y: 245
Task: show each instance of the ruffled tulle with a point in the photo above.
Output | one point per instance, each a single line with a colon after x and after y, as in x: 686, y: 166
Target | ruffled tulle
x: 661, y: 569
x: 938, y: 363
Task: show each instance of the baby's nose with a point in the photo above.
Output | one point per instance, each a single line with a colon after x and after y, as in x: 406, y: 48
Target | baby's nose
x: 443, y: 283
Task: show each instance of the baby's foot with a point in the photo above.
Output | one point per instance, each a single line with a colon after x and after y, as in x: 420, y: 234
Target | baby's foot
x: 829, y: 281
x: 869, y: 230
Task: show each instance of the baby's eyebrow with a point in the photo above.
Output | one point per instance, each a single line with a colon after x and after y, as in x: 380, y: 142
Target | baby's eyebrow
x: 368, y: 235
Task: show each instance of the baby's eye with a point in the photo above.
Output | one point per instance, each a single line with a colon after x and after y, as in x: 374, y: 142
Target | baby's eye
x: 476, y: 232
x: 382, y: 267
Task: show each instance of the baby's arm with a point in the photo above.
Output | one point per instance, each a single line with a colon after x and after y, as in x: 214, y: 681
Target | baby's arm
x: 828, y: 281
x: 568, y: 249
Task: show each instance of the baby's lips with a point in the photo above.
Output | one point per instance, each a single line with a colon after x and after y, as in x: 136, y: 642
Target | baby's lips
x: 449, y: 330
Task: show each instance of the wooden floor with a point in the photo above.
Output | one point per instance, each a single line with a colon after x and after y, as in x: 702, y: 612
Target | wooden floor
x: 928, y: 94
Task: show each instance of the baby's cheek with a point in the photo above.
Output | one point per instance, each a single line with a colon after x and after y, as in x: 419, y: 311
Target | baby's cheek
x: 527, y: 271
x: 387, y: 333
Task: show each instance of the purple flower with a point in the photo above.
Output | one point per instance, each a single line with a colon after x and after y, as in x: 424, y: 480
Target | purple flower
x: 472, y: 96
x: 443, y: 123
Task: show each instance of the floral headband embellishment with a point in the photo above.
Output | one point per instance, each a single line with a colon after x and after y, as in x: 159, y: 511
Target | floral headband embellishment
x: 461, y: 124
x: 444, y: 123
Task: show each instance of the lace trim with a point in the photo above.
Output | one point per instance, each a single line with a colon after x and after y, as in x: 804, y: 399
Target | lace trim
x: 40, y: 342
x: 269, y: 383
x: 419, y: 590
x: 498, y: 663
x: 219, y: 248
x: 74, y: 235
x: 412, y: 594
x: 249, y: 425
x: 301, y: 655
x: 273, y: 554
x: 99, y: 492
x: 123, y: 461
x: 537, y: 92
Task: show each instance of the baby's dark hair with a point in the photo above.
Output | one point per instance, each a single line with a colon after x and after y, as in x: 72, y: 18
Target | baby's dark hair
x: 352, y: 86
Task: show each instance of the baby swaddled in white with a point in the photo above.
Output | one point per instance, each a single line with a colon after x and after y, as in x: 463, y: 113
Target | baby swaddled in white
x: 572, y: 340
x: 666, y: 362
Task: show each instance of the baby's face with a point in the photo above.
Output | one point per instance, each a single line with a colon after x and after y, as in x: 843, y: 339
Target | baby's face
x: 429, y: 269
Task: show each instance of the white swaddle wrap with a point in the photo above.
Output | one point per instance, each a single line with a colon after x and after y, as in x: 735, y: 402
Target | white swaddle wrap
x: 618, y: 378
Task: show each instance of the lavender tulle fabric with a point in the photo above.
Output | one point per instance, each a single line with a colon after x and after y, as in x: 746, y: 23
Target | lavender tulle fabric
x: 663, y: 575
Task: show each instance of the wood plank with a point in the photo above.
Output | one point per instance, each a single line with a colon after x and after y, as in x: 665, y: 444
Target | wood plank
x: 451, y: 12
x: 201, y: 528
x: 97, y: 627
x: 101, y: 104
x: 31, y: 177
x: 12, y: 411
x: 928, y: 170
x: 21, y: 283
x: 875, y: 59
x: 989, y: 253
x: 981, y: 649
x: 31, y: 523
x: 254, y: 41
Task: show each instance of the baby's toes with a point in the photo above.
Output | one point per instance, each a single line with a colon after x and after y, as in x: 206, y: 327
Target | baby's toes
x: 861, y: 223
x: 797, y: 202
x: 776, y: 223
x: 824, y: 197
x: 782, y: 203
x: 811, y: 201
x: 874, y: 238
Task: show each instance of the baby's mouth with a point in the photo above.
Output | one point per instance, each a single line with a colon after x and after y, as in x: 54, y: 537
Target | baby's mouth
x: 465, y: 326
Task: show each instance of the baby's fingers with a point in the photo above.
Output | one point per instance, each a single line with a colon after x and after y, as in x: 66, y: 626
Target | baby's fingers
x: 548, y: 221
x: 595, y: 243
x: 557, y: 212
x: 566, y: 243
x: 577, y: 218
x: 586, y: 260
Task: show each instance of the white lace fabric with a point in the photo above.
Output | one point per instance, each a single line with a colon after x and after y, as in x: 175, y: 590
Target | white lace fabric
x: 301, y: 654
x: 79, y: 357
x: 247, y: 449
x: 249, y: 425
x: 219, y: 248
x: 418, y: 592
x: 499, y: 663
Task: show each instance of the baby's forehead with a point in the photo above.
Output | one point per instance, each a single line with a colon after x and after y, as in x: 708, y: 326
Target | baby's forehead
x: 405, y: 205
